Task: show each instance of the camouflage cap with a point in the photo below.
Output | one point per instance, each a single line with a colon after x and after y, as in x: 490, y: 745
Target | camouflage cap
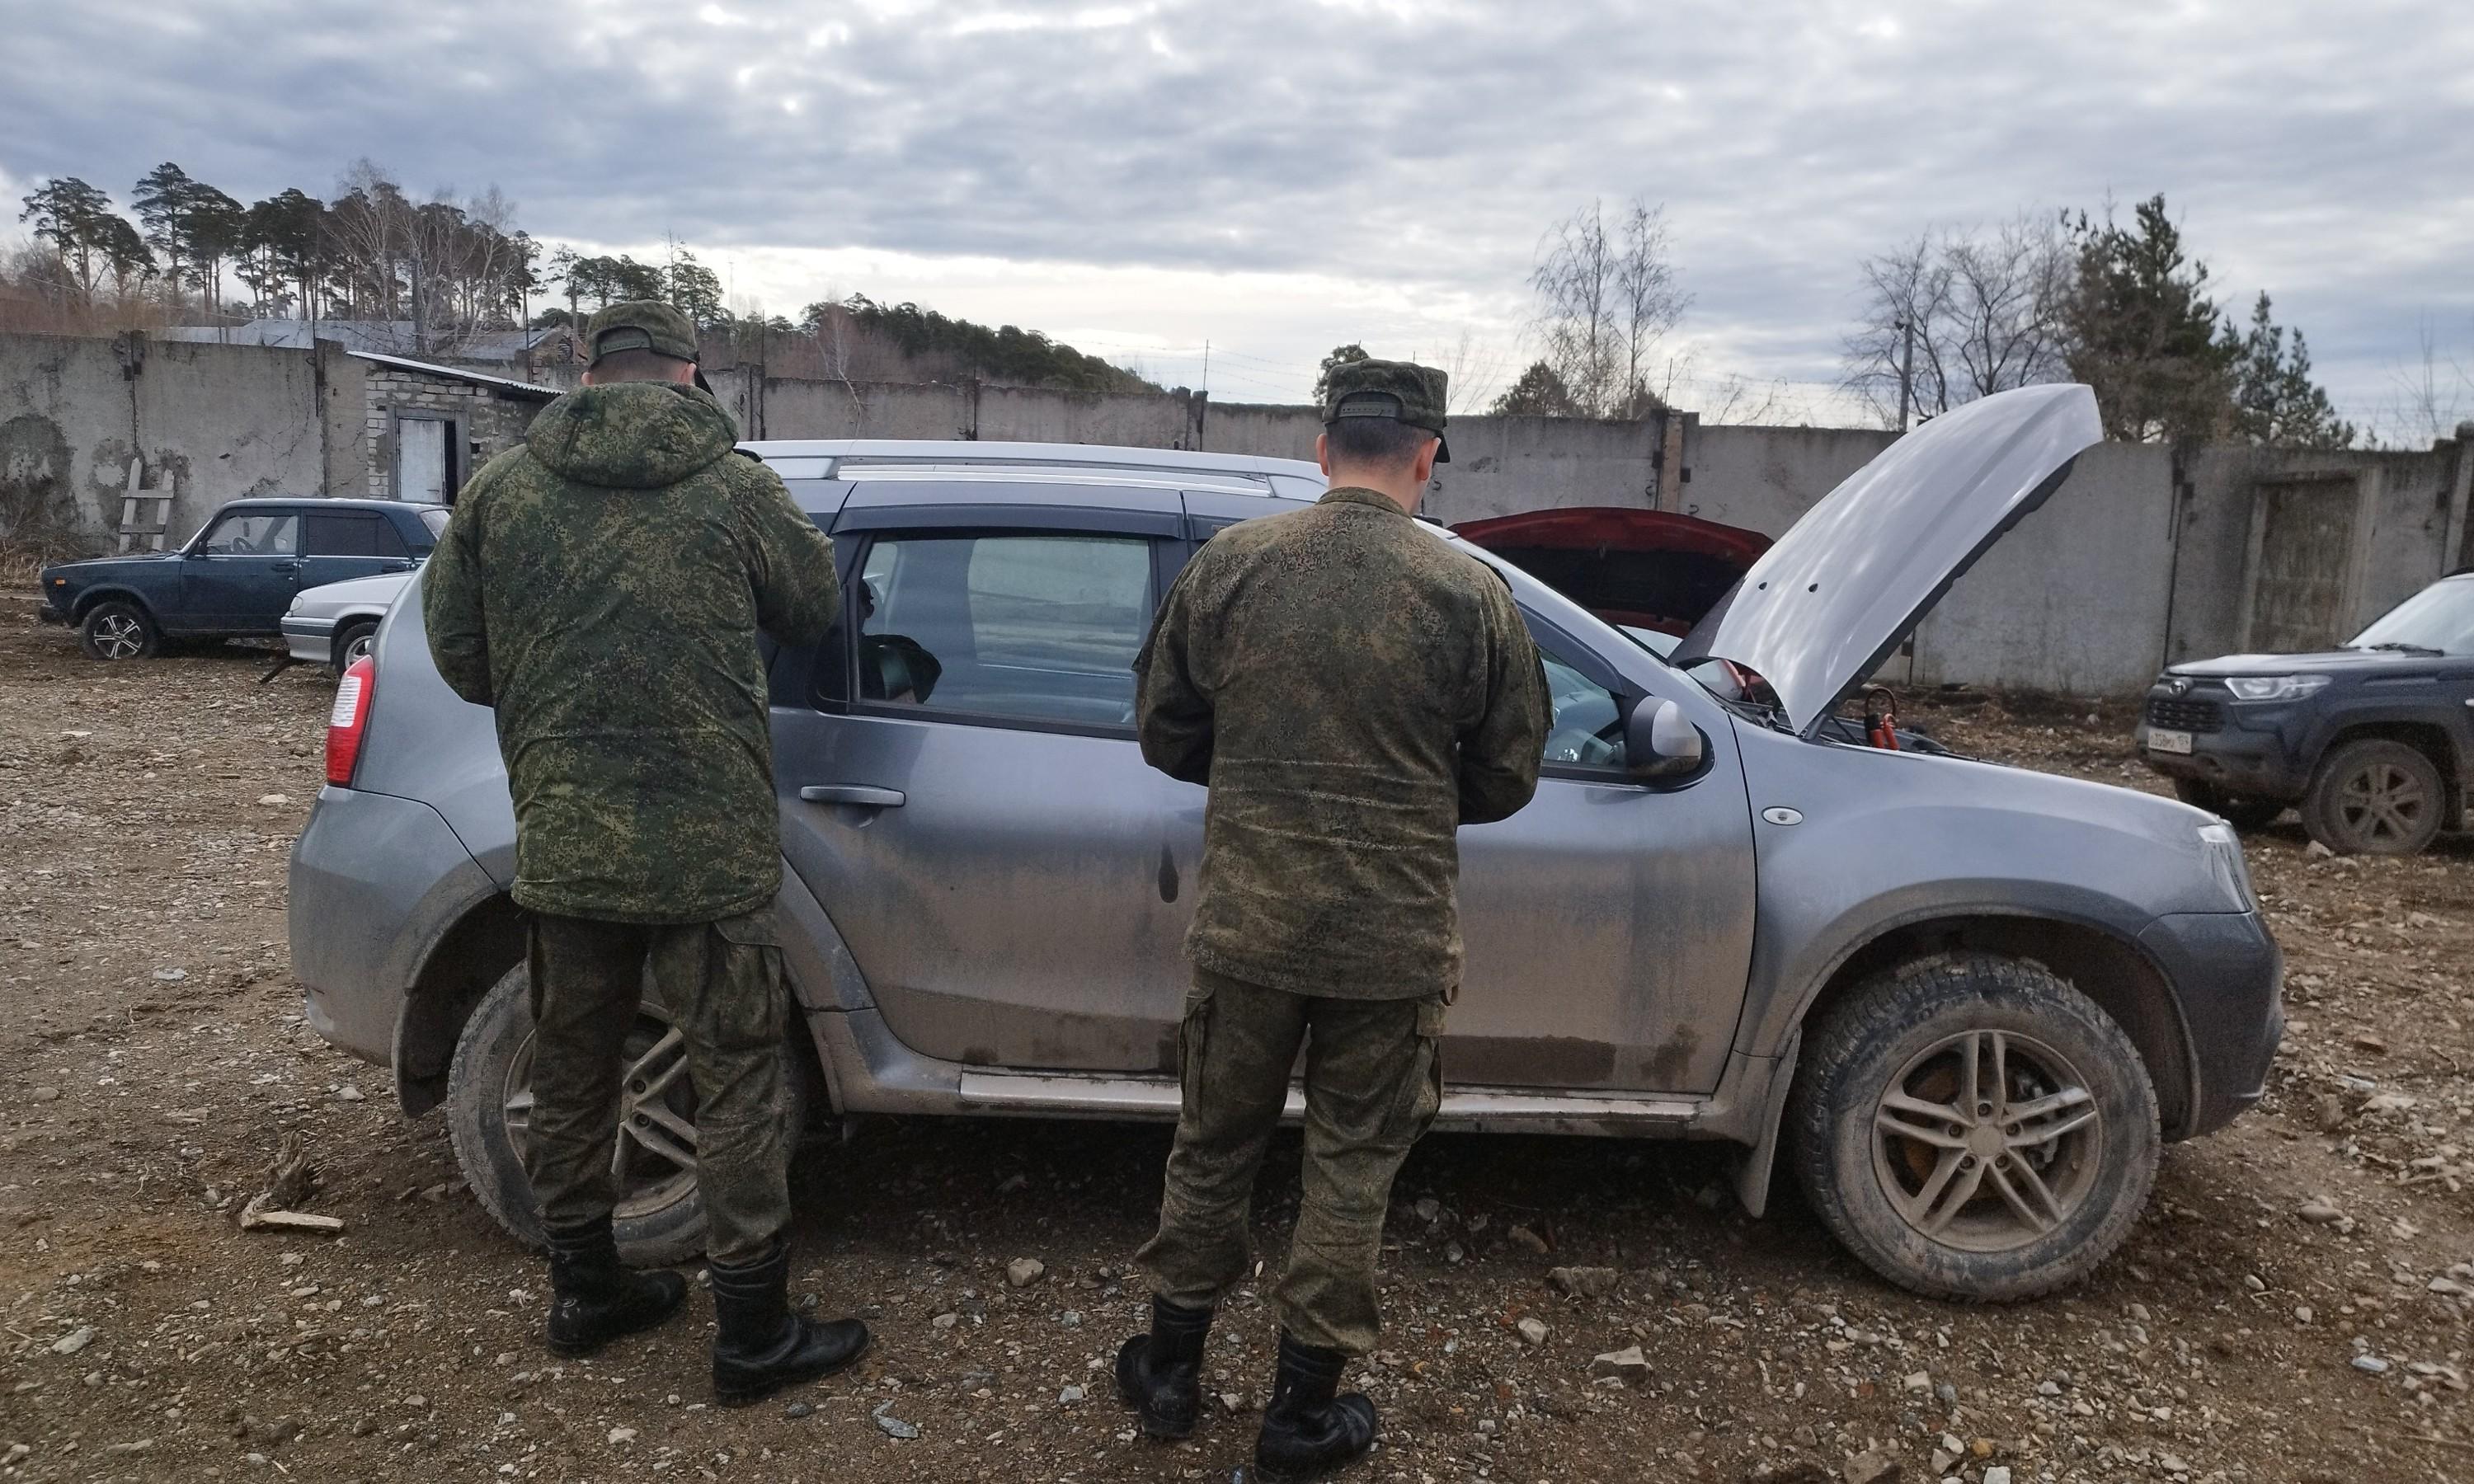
x: 1400, y: 389
x: 641, y: 324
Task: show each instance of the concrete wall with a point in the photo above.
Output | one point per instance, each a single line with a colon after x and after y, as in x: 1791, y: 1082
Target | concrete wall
x: 209, y: 423
x: 2409, y: 527
x: 2074, y: 598
x: 2143, y: 558
x: 1763, y: 478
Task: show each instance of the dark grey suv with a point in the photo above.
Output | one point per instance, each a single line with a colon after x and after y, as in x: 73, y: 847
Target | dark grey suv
x: 2370, y: 740
x: 1971, y: 1046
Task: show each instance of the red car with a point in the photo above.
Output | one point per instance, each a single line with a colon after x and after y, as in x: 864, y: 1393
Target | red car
x: 1637, y: 569
x: 1651, y: 573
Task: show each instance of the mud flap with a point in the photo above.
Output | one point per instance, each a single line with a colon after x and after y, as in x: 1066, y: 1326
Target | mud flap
x: 1753, y: 1170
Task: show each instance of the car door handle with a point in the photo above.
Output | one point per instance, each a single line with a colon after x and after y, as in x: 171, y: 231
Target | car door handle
x: 287, y: 566
x: 859, y: 794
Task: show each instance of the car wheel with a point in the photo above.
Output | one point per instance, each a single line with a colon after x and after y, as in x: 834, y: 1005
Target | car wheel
x: 1972, y: 1127
x: 120, y: 631
x: 2375, y: 798
x: 2243, y: 814
x: 352, y: 642
x: 660, y: 1219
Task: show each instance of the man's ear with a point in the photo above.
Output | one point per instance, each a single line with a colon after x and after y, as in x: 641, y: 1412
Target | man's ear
x: 587, y: 378
x: 1322, y: 452
x: 1426, y: 459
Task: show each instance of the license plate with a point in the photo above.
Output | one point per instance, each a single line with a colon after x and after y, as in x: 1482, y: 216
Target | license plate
x: 2178, y: 742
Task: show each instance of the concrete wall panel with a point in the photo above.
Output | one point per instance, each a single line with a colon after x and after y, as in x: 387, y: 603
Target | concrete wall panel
x: 209, y: 423
x: 2074, y: 599
x: 1763, y: 478
x: 2143, y: 558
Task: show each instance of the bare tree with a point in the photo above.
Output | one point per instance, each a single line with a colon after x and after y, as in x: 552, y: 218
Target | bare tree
x: 367, y: 225
x: 2428, y: 401
x: 1985, y: 311
x: 1605, y: 301
x: 2005, y: 296
x: 1742, y: 399
x: 1468, y: 367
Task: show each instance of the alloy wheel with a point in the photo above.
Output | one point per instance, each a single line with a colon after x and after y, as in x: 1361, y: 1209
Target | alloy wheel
x: 2380, y: 805
x: 358, y: 649
x: 1987, y: 1140
x: 120, y: 636
x: 653, y: 1159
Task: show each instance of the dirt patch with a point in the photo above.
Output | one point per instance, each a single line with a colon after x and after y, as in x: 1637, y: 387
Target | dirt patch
x: 2286, y: 1311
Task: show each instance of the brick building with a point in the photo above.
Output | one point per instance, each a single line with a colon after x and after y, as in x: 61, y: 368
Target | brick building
x: 431, y: 426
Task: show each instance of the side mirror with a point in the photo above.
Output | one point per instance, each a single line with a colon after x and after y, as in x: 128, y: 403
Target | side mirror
x: 1660, y: 742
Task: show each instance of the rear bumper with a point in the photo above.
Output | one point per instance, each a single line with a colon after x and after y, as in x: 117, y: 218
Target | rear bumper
x: 2229, y: 976
x: 376, y: 883
x: 311, y: 640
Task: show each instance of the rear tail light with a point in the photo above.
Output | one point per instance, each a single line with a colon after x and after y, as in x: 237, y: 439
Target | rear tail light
x: 349, y: 719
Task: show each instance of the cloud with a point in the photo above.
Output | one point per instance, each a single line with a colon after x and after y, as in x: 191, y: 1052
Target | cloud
x: 1286, y: 175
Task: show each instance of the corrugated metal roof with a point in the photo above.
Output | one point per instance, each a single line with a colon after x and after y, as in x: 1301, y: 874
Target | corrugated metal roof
x: 382, y: 336
x: 458, y: 374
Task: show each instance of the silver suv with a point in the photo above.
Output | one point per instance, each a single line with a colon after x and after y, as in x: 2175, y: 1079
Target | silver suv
x: 1968, y: 1001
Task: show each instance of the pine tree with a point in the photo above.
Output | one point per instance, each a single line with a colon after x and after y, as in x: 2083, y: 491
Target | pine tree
x: 2275, y: 400
x: 2142, y: 333
x: 1538, y: 394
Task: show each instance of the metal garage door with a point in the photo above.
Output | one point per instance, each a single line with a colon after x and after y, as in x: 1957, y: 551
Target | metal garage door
x: 2305, y: 555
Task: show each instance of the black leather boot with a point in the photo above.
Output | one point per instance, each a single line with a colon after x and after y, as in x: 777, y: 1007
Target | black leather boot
x: 1161, y: 1373
x: 593, y: 1299
x: 1306, y: 1430
x: 761, y: 1346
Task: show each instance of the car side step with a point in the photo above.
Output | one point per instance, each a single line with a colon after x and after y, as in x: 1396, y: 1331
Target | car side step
x: 1478, y: 1109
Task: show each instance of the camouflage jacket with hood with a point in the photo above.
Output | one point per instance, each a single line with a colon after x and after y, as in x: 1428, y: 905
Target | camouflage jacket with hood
x: 1352, y: 689
x: 600, y: 587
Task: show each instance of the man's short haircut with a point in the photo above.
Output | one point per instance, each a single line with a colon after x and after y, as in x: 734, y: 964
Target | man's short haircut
x: 1382, y: 441
x: 638, y: 365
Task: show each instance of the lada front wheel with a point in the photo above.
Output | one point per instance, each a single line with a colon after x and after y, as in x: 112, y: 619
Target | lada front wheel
x: 120, y: 631
x: 1972, y: 1127
x: 661, y: 1216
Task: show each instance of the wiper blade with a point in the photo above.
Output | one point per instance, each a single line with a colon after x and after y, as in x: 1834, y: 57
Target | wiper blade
x: 2395, y: 647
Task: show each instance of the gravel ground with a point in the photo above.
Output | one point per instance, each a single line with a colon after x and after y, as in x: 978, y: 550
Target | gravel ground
x: 2293, y: 1308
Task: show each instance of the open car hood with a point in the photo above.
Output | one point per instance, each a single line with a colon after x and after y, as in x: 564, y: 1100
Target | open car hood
x: 1642, y: 568
x: 1825, y: 605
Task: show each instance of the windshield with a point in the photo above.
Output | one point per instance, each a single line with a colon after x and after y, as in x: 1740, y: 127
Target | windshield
x: 1656, y: 642
x: 2439, y: 618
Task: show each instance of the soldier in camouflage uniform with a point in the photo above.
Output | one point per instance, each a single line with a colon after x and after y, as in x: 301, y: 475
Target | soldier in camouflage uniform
x: 600, y: 586
x: 1352, y: 689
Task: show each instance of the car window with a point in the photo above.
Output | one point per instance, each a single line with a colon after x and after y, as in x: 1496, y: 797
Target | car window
x: 256, y: 534
x: 436, y: 520
x: 1040, y: 628
x: 1589, y: 727
x: 346, y: 534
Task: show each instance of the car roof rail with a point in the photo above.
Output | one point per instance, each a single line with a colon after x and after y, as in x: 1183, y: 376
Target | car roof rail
x: 827, y: 458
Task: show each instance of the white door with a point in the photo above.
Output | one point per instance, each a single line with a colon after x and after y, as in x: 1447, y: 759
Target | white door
x: 421, y: 460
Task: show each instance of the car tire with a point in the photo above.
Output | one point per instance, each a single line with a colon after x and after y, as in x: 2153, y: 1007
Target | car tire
x: 117, y: 629
x: 2375, y: 798
x: 351, y: 642
x: 2011, y: 1216
x: 661, y: 1216
x: 2242, y: 813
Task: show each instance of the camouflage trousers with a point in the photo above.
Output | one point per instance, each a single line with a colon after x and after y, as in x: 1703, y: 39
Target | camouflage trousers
x: 1373, y: 1081
x: 721, y: 985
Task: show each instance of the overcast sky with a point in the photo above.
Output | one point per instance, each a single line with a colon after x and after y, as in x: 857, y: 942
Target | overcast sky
x: 1279, y: 176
